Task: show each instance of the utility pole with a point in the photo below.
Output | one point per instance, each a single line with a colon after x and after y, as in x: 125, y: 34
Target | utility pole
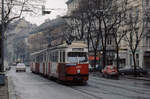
x: 2, y: 76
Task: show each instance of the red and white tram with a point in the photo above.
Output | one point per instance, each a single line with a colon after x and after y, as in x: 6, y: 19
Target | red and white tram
x: 65, y: 62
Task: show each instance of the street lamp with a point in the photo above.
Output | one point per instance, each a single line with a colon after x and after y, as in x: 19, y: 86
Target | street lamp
x: 45, y: 11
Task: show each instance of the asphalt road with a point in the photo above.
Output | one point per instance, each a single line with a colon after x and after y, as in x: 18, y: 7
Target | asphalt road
x: 31, y: 86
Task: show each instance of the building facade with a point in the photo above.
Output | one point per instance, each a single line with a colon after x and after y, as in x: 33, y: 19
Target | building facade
x: 74, y: 5
x: 146, y: 41
x: 134, y: 7
x: 139, y: 8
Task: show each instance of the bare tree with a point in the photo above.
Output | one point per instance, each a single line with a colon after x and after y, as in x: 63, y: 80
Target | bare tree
x: 83, y: 26
x: 117, y: 22
x: 101, y: 10
x: 100, y: 19
x: 135, y: 35
x: 77, y: 22
x: 15, y: 8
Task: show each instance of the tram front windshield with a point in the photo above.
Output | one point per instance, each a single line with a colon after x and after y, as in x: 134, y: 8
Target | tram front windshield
x: 77, y: 57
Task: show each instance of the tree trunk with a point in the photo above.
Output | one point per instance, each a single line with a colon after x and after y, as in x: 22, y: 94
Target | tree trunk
x: 104, y: 57
x: 117, y: 52
x: 134, y: 60
x: 88, y: 42
x: 95, y: 54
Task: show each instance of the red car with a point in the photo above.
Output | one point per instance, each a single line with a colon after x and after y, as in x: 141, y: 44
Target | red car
x: 110, y: 71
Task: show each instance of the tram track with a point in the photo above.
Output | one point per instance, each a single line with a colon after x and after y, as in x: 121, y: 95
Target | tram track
x: 103, y: 91
x: 132, y: 89
x: 96, y: 94
x: 86, y: 92
x: 116, y: 83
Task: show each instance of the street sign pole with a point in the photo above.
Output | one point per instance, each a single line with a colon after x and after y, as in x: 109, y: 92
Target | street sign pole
x: 2, y: 75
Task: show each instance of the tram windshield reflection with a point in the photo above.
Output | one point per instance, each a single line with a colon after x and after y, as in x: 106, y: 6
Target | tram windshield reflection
x: 77, y: 57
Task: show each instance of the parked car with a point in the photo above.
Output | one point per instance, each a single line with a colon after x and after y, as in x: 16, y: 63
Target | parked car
x: 20, y: 67
x: 130, y: 71
x: 110, y: 71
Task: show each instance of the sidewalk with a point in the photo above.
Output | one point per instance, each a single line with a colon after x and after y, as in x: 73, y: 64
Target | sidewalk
x: 146, y: 78
x: 4, y: 90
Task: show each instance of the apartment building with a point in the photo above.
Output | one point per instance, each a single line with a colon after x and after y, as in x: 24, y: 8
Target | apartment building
x: 146, y: 41
x: 138, y: 8
x: 72, y: 6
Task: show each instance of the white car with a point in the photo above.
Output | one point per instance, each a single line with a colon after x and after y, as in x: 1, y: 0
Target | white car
x: 20, y: 67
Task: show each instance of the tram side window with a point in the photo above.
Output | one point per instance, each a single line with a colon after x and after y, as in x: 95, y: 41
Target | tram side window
x: 50, y: 57
x: 47, y: 57
x: 37, y: 59
x: 34, y: 59
x: 63, y: 56
x: 60, y: 56
x: 41, y: 58
x: 53, y: 56
x: 56, y: 56
x: 44, y: 57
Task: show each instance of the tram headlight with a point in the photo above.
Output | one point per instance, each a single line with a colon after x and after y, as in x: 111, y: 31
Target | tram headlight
x: 78, y: 71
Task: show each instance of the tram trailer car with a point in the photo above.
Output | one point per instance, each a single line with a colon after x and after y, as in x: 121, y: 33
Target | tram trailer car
x: 68, y: 63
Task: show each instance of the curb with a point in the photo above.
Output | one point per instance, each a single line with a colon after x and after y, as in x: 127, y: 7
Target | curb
x: 11, y: 91
x: 135, y: 78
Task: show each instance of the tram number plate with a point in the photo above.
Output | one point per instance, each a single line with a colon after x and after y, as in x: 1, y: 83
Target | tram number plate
x: 78, y: 67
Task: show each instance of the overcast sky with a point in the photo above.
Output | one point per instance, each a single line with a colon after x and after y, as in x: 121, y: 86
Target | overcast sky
x: 59, y: 7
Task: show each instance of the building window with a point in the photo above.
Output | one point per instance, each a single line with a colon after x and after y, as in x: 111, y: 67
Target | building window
x: 109, y: 41
x: 131, y: 59
x: 148, y: 42
x: 137, y: 59
x: 147, y: 2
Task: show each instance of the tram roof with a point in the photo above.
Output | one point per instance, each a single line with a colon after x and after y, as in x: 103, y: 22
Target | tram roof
x: 40, y: 51
x: 76, y: 44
